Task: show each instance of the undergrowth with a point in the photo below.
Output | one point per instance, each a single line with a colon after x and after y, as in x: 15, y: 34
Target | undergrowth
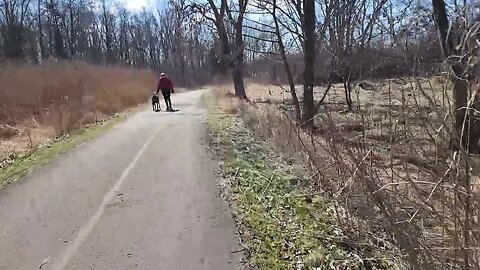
x: 39, y: 156
x: 282, y: 226
x: 67, y: 95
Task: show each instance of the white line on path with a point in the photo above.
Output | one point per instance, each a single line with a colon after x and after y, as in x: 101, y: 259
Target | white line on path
x: 85, y: 231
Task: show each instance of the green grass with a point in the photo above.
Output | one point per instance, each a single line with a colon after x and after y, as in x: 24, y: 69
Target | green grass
x: 40, y: 156
x: 282, y: 228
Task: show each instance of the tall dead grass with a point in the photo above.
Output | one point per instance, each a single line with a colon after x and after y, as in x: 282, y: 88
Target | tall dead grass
x: 67, y: 95
x: 388, y: 165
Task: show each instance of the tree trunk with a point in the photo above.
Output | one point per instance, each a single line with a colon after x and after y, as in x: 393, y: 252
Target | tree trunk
x: 231, y: 58
x: 73, y: 31
x: 58, y: 40
x: 293, y: 92
x: 225, y: 45
x: 460, y: 93
x: 348, y: 95
x: 286, y: 65
x: 40, y: 32
x: 108, y: 33
x: 238, y: 55
x: 50, y: 27
x: 237, y: 75
x: 441, y: 19
x: 309, y: 58
x: 465, y: 124
x: 346, y: 72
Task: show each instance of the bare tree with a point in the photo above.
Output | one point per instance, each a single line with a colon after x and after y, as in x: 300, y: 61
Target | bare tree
x: 40, y: 29
x: 468, y: 128
x: 347, y: 31
x: 298, y: 20
x: 232, y: 45
x: 261, y: 36
x: 309, y: 26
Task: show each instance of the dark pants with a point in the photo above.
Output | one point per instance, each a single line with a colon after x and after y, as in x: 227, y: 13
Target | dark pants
x: 166, y: 96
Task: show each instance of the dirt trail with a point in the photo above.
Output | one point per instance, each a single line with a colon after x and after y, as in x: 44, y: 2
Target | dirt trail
x: 142, y: 196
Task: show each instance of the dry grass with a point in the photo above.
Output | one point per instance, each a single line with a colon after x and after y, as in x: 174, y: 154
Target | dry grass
x: 43, y: 101
x: 388, y: 164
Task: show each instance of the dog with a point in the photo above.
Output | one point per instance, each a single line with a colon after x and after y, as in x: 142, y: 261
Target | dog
x: 156, y: 102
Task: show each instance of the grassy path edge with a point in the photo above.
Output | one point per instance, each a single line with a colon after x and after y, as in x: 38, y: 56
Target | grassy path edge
x: 280, y: 224
x: 38, y: 157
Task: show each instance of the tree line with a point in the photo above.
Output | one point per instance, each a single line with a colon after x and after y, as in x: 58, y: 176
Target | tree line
x: 106, y: 32
x: 347, y: 41
x: 310, y: 42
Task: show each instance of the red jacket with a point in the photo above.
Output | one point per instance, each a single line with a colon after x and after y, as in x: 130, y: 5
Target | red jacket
x: 165, y: 83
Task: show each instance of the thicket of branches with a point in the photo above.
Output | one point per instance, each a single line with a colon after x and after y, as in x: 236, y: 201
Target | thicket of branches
x: 402, y: 164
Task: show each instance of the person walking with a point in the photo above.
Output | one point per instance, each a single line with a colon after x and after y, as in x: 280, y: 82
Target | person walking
x: 166, y: 86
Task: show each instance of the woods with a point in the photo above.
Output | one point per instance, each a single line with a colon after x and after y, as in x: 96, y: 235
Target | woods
x: 105, y: 32
x: 383, y: 113
x: 202, y: 39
